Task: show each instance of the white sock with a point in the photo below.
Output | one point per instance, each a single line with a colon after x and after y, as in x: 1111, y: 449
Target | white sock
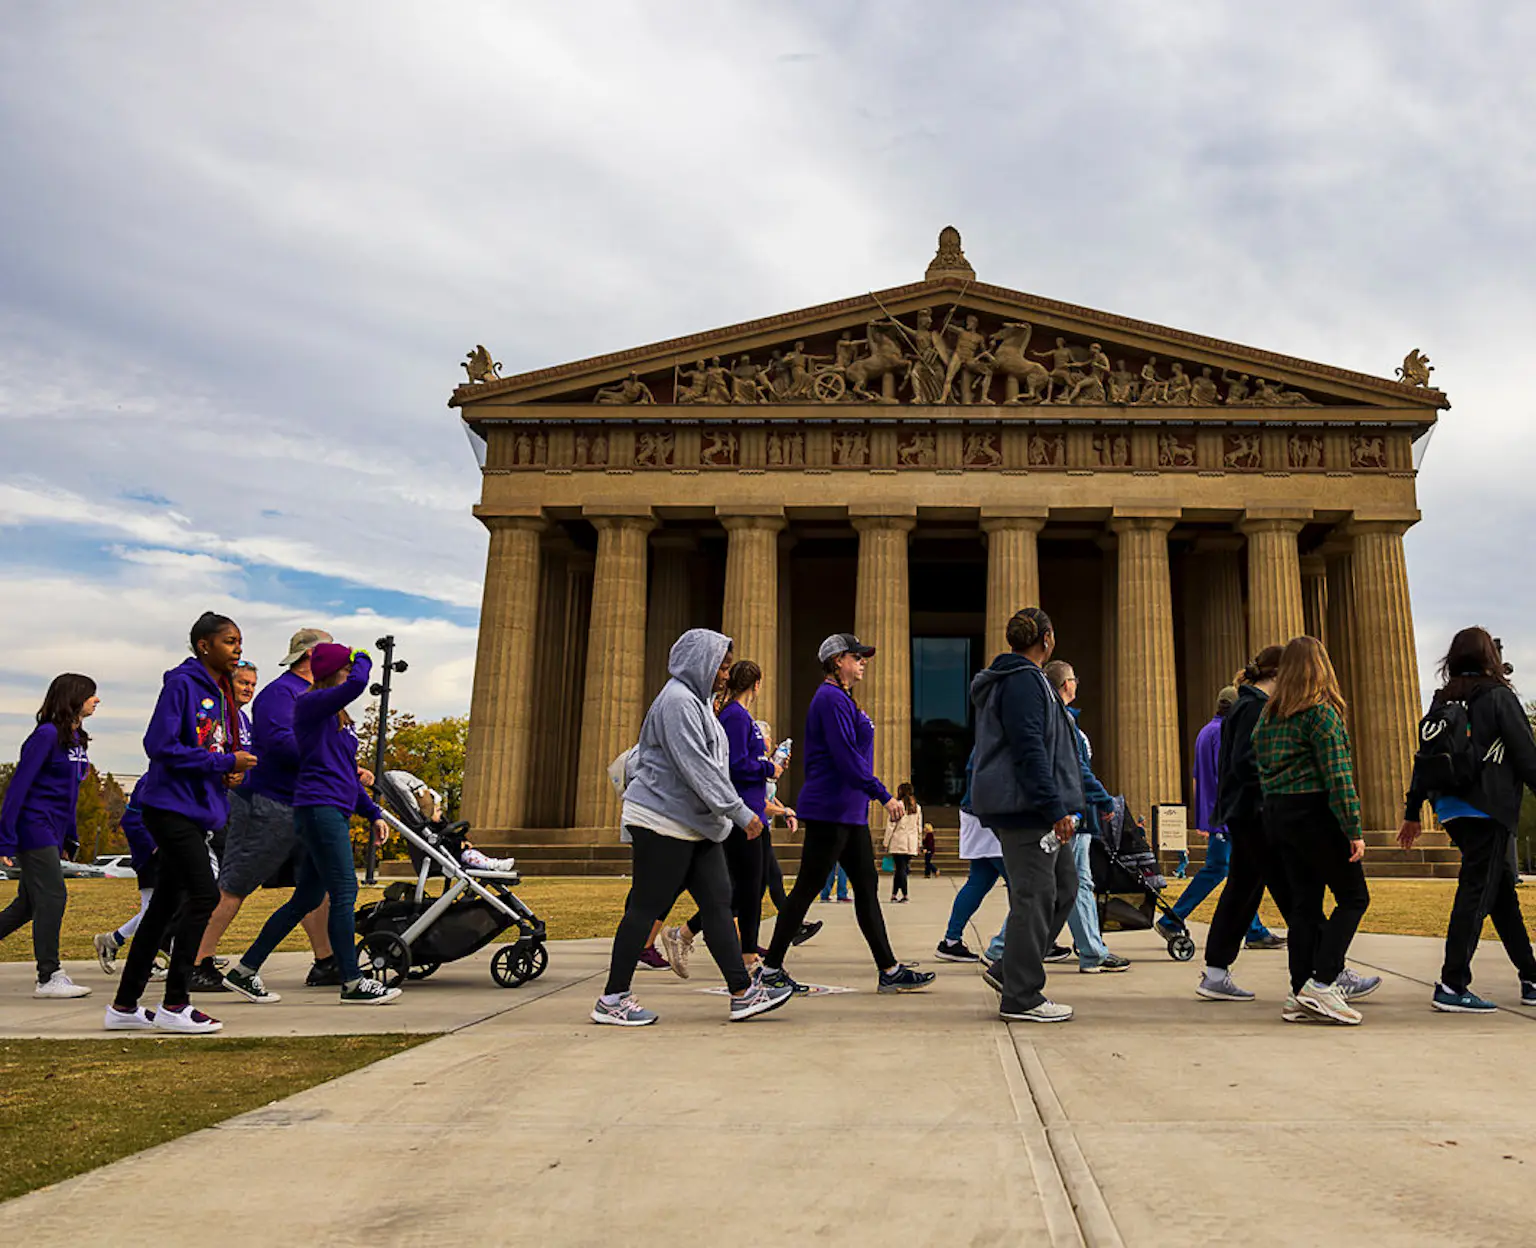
x: 611, y: 998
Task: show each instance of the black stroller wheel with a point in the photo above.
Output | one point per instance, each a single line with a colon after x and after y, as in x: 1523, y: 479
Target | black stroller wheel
x: 423, y: 971
x: 385, y: 957
x: 1181, y: 948
x: 507, y: 966
x: 535, y: 961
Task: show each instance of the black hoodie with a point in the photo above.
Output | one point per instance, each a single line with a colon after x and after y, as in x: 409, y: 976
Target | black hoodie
x: 1501, y: 735
x: 1238, y: 795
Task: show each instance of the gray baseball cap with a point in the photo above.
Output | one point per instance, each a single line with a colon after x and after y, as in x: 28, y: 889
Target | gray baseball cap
x: 843, y: 643
x: 302, y: 642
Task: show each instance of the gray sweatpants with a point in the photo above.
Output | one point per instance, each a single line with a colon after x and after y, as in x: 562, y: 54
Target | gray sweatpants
x: 1042, y: 889
x: 40, y: 900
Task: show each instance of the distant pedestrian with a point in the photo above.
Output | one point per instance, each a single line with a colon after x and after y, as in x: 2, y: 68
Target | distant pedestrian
x: 840, y: 783
x: 840, y: 877
x: 193, y: 745
x: 37, y: 824
x: 903, y: 838
x: 1312, y: 812
x: 930, y: 846
x: 1477, y: 800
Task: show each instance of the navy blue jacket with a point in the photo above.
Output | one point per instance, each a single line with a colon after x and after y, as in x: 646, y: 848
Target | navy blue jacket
x: 1027, y: 770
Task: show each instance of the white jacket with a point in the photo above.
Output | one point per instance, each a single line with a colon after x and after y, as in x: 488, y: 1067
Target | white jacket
x: 905, y: 836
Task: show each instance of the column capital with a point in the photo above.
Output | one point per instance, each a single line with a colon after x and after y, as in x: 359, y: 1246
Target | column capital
x: 1141, y: 524
x: 617, y: 511
x: 875, y: 524
x: 1011, y: 523
x: 1259, y: 522
x: 1394, y: 528
x: 641, y: 524
x: 531, y: 517
x: 734, y: 522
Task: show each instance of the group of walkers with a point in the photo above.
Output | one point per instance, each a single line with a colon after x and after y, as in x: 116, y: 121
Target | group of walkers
x: 228, y: 803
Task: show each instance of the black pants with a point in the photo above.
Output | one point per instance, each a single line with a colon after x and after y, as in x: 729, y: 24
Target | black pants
x: 186, y: 885
x: 928, y: 867
x: 40, y: 900
x: 664, y: 867
x: 826, y: 845
x: 903, y: 865
x: 746, y: 866
x: 1485, y: 888
x: 1315, y: 853
x: 773, y: 874
x: 1255, y: 865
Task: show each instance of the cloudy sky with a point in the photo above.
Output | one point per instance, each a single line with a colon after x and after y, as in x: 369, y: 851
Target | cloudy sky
x: 243, y: 249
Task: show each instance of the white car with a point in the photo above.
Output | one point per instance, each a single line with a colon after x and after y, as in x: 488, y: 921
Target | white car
x: 116, y: 866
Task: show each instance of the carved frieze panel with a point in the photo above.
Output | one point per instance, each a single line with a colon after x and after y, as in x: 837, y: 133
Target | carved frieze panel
x: 1243, y: 451
x: 1048, y: 450
x: 719, y: 448
x: 917, y: 450
x: 786, y: 449
x: 1304, y: 451
x: 850, y: 448
x: 1368, y: 451
x: 983, y: 449
x: 1112, y: 448
x: 654, y: 448
x: 1176, y: 449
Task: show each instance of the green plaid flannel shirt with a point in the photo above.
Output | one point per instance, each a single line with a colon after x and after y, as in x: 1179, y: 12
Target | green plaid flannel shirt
x: 1309, y: 753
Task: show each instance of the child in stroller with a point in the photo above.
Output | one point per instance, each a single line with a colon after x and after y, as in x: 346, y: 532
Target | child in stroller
x: 1124, y: 867
x: 411, y: 932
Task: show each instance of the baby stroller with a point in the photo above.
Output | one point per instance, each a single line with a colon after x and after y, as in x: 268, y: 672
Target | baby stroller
x: 410, y: 932
x: 1124, y: 867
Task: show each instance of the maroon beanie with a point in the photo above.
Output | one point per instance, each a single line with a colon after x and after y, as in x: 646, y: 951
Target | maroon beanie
x: 328, y: 658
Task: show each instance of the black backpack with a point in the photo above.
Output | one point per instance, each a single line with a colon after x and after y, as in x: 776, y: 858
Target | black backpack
x: 1446, y: 764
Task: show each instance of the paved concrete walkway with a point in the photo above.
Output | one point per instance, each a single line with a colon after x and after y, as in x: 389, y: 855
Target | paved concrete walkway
x: 1151, y: 1119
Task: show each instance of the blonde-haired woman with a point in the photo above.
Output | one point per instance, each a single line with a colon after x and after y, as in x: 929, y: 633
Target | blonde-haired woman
x: 1312, y: 813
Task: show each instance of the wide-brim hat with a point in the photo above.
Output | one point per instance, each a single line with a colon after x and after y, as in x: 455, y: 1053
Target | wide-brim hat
x: 843, y: 643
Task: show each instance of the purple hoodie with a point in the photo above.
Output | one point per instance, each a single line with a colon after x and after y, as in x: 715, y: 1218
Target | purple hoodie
x: 141, y: 845
x: 1207, y: 754
x: 272, y: 734
x: 327, y: 751
x: 840, y: 779
x: 189, y: 748
x: 750, y: 771
x: 39, y: 807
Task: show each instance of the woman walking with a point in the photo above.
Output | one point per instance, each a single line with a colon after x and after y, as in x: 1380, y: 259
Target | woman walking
x: 980, y: 847
x: 834, y: 803
x: 193, y: 742
x: 903, y: 839
x: 1312, y: 813
x: 1480, y: 815
x: 37, y: 824
x: 326, y: 794
x: 679, y: 807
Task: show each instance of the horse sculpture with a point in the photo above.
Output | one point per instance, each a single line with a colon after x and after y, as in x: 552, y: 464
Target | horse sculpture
x: 884, y: 361
x: 1014, y: 366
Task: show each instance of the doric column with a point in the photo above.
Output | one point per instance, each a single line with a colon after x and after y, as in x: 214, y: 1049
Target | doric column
x: 882, y: 618
x: 668, y: 612
x: 1013, y: 570
x: 612, y: 698
x: 1148, y: 700
x: 579, y: 566
x: 751, y: 614
x: 497, y: 763
x: 1216, y: 646
x: 1314, y: 596
x: 1107, y: 741
x: 1338, y: 553
x: 544, y: 807
x: 1274, y: 580
x: 1386, y: 671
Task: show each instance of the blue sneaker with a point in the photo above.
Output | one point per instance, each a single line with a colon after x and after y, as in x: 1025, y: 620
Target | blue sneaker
x: 625, y: 1013
x: 1448, y: 1002
x: 779, y: 979
x: 1355, y: 986
x: 905, y: 979
x: 1527, y: 992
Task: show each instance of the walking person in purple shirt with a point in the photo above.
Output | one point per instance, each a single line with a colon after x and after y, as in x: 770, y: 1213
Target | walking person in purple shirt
x: 193, y: 744
x: 326, y: 793
x: 37, y: 824
x: 840, y: 783
x: 1218, y: 850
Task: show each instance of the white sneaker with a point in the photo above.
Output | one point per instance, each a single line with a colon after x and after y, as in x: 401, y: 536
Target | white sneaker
x: 678, y: 942
x: 161, y: 967
x: 186, y: 1021
x: 106, y: 952
x: 139, y: 1019
x: 1045, y: 1012
x: 60, y: 985
x: 1328, y: 1001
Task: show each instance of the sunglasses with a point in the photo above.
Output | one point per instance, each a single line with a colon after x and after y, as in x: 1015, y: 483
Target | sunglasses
x: 245, y: 663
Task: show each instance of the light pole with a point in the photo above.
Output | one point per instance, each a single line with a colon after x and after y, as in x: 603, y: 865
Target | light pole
x: 380, y: 690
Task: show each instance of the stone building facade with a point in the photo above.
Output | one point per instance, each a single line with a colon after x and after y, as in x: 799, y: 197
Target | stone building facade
x: 915, y: 464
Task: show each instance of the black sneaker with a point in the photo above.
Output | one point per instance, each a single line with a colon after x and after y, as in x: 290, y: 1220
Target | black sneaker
x: 905, y: 979
x: 206, y: 977
x: 1059, y: 953
x: 807, y: 930
x: 992, y: 976
x: 323, y: 975
x: 956, y: 952
x: 780, y: 979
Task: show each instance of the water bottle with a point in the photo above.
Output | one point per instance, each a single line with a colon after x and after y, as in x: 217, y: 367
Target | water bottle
x: 1049, y: 842
x: 781, y: 751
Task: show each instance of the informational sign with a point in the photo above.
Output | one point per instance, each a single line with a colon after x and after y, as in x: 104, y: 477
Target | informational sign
x: 1172, y: 828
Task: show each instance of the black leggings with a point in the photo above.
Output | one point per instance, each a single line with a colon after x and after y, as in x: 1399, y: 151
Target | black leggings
x: 773, y: 873
x: 184, y: 898
x: 903, y: 864
x: 745, y: 862
x: 1315, y: 852
x: 1485, y: 888
x: 1255, y: 865
x: 665, y: 866
x: 827, y: 844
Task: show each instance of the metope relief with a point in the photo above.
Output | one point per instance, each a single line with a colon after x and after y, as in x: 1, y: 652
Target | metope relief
x: 786, y: 450
x: 983, y: 450
x: 654, y: 449
x: 1112, y: 449
x: 718, y: 448
x: 1242, y: 452
x: 850, y: 449
x: 591, y: 451
x: 917, y: 450
x: 1176, y: 450
x: 530, y: 450
x: 1305, y: 450
x: 1367, y: 451
x: 1047, y: 450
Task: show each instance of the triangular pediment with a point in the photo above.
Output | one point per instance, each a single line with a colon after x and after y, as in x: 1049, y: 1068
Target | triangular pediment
x: 947, y: 341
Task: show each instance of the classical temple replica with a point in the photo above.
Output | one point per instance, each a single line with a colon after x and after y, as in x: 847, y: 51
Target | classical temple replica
x: 916, y: 464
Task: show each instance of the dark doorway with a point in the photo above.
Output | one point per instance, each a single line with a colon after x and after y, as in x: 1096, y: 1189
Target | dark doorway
x: 942, y: 735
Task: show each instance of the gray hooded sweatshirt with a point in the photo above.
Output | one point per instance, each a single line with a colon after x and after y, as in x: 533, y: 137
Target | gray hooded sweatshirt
x: 681, y: 767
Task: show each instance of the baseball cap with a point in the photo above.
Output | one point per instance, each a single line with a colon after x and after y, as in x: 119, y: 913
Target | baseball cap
x: 843, y: 643
x: 302, y: 642
x: 1226, y: 698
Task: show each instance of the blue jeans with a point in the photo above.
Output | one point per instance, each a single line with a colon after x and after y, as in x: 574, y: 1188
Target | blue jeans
x: 324, y: 868
x: 985, y: 872
x: 1218, y: 857
x: 837, y: 873
x: 1084, y: 919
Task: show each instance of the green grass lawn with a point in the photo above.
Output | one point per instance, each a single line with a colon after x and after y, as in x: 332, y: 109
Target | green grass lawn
x: 67, y: 1106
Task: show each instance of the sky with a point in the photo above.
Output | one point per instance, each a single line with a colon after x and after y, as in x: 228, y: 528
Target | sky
x: 244, y: 248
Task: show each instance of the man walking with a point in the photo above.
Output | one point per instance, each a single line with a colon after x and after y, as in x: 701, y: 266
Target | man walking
x: 1026, y: 785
